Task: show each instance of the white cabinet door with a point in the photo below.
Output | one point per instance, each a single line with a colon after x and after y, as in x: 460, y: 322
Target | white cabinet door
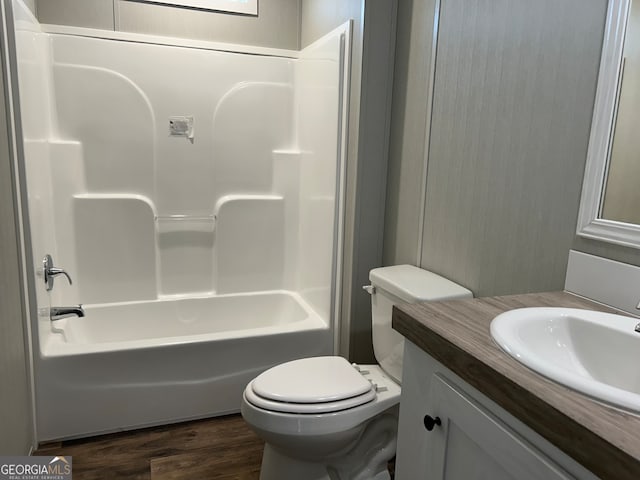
x: 471, y: 444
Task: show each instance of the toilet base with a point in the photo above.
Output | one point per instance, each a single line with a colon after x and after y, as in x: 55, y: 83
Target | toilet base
x: 368, y: 460
x: 275, y: 465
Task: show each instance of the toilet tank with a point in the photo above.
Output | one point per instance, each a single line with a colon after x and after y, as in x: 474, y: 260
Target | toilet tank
x: 397, y: 284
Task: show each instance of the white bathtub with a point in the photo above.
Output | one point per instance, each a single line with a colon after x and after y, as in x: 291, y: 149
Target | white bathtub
x: 123, y: 326
x: 137, y: 364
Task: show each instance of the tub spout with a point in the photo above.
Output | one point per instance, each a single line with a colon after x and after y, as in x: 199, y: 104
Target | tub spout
x: 58, y: 313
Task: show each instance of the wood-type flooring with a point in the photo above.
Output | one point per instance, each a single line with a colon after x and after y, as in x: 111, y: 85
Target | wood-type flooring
x: 222, y: 448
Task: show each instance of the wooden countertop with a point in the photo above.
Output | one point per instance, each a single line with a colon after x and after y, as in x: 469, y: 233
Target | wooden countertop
x: 456, y: 333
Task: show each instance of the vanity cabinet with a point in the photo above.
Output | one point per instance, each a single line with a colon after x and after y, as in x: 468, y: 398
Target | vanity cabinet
x: 449, y: 430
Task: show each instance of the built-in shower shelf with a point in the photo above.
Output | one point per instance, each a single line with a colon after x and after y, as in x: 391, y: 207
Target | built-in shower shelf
x: 185, y: 218
x: 185, y: 223
x: 114, y: 196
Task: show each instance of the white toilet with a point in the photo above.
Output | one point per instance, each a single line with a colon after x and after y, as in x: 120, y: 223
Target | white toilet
x: 323, y: 418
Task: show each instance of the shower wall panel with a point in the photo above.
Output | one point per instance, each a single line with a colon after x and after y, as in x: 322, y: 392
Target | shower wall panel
x: 319, y: 104
x: 113, y: 120
x: 116, y: 99
x: 34, y: 65
x: 245, y: 201
x: 114, y: 237
x: 250, y: 243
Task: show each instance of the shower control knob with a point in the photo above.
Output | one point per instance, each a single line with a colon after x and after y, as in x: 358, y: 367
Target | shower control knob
x: 50, y: 272
x: 430, y: 422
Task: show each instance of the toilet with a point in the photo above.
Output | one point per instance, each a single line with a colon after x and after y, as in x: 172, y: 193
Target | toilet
x: 323, y: 418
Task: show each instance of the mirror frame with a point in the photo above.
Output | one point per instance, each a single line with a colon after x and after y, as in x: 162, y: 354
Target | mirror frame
x: 590, y: 225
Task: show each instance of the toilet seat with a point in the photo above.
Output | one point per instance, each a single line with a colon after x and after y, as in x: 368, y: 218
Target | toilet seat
x: 310, y: 385
x: 325, y: 407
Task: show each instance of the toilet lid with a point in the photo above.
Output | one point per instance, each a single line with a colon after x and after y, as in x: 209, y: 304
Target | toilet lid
x: 309, y: 408
x: 312, y: 381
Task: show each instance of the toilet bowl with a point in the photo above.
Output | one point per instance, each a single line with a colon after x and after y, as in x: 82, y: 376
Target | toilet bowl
x: 323, y: 418
x: 308, y: 435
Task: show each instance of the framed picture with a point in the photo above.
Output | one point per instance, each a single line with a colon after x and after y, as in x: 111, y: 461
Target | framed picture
x: 246, y: 7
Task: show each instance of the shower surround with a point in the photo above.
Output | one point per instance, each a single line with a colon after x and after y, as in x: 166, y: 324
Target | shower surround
x: 202, y: 257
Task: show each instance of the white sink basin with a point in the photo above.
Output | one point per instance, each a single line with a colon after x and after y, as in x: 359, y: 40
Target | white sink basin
x: 592, y: 352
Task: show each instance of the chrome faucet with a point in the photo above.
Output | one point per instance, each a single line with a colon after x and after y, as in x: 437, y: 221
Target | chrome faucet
x: 58, y: 313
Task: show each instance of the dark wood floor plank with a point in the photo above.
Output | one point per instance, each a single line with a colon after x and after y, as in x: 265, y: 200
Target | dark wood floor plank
x: 49, y: 445
x: 228, y: 463
x: 254, y: 475
x: 220, y: 448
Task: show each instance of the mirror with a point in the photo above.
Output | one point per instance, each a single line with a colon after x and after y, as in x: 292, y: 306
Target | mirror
x: 610, y: 204
x: 621, y: 198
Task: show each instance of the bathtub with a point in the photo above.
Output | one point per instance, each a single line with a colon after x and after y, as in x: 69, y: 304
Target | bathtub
x: 138, y: 364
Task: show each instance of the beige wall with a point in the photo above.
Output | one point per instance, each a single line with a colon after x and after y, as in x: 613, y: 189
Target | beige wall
x: 607, y: 250
x: 514, y: 93
x: 80, y: 13
x: 16, y: 430
x: 318, y: 17
x: 277, y: 24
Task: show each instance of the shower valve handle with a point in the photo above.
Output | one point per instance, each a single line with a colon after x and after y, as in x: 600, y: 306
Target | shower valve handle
x: 58, y: 271
x: 50, y: 272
